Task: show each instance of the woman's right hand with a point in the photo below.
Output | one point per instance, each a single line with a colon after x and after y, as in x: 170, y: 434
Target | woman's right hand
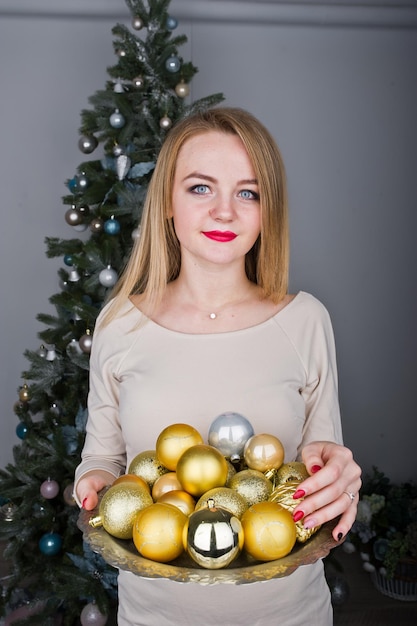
x: 89, y: 486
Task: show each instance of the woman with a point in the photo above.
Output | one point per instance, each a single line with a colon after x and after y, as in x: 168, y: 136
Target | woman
x: 201, y: 323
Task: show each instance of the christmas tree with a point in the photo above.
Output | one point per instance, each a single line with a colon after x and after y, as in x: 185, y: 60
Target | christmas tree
x: 53, y: 572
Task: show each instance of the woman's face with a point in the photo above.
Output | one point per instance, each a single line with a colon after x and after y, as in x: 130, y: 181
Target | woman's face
x: 215, y: 200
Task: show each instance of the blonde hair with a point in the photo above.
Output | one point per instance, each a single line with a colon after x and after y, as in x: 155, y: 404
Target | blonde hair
x: 155, y: 259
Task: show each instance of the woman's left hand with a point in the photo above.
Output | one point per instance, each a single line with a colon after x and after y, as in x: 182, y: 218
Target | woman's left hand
x: 332, y: 488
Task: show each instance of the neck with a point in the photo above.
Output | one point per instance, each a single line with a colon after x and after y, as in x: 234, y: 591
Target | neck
x: 215, y: 295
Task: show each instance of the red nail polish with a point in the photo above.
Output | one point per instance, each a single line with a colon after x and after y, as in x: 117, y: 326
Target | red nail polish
x: 297, y: 516
x: 84, y: 501
x: 315, y: 468
x: 300, y: 493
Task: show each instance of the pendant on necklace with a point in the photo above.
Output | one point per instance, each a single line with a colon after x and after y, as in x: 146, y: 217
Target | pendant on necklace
x: 212, y: 316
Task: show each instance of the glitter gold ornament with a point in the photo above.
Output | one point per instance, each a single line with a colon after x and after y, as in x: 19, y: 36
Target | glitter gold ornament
x: 201, y: 468
x: 294, y: 471
x: 167, y: 482
x: 263, y: 452
x: 252, y: 485
x: 283, y: 495
x: 179, y: 498
x: 118, y: 508
x: 147, y: 465
x: 224, y: 498
x: 157, y: 532
x: 132, y: 478
x: 269, y: 531
x: 213, y: 537
x: 173, y: 441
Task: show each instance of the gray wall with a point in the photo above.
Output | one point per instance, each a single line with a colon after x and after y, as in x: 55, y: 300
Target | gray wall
x: 337, y: 87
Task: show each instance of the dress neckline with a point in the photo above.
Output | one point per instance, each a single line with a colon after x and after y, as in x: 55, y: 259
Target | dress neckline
x: 149, y: 321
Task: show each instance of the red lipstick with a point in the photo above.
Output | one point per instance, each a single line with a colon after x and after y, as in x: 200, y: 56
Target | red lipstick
x: 220, y: 235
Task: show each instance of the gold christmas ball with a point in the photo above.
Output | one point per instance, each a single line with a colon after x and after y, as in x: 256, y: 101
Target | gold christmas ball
x: 182, y: 89
x: 167, y: 482
x: 294, y: 471
x: 201, y: 468
x: 213, y: 537
x: 283, y: 495
x: 252, y: 485
x: 157, y: 532
x: 179, y: 498
x: 269, y: 531
x: 231, y: 470
x: 132, y: 478
x: 173, y: 441
x: 263, y: 452
x: 224, y: 498
x: 24, y: 393
x: 147, y: 465
x: 118, y: 508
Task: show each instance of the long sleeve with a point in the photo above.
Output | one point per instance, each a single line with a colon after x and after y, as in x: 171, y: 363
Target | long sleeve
x: 104, y: 447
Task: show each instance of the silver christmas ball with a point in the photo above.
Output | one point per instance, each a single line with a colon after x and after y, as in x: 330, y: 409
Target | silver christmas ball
x: 83, y: 182
x: 87, y: 143
x: 165, y: 122
x: 228, y: 433
x: 49, y: 489
x: 173, y: 64
x: 138, y: 82
x: 135, y: 234
x: 73, y: 217
x: 86, y: 342
x: 117, y: 120
x: 108, y: 277
x: 92, y: 616
x: 137, y: 23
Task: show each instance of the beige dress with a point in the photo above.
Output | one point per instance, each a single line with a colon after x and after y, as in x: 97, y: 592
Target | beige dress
x: 280, y: 374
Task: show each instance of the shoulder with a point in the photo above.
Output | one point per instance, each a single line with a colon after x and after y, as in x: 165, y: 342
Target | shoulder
x: 114, y: 327
x: 305, y: 307
x: 306, y: 321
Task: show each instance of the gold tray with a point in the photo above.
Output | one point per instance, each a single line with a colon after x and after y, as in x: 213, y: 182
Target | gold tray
x: 122, y: 554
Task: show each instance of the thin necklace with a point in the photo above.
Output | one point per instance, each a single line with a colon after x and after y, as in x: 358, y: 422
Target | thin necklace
x: 212, y: 316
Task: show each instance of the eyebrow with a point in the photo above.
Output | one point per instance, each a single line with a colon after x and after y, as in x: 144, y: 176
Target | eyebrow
x: 245, y: 181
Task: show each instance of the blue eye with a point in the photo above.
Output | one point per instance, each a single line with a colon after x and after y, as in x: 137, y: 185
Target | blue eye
x: 247, y: 194
x: 199, y: 189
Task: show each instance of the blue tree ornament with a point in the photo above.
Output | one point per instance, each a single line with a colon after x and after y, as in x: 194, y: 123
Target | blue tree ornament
x: 21, y: 430
x: 112, y: 226
x: 50, y: 544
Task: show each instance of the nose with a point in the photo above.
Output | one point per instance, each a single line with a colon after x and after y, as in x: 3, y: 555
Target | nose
x: 223, y: 209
